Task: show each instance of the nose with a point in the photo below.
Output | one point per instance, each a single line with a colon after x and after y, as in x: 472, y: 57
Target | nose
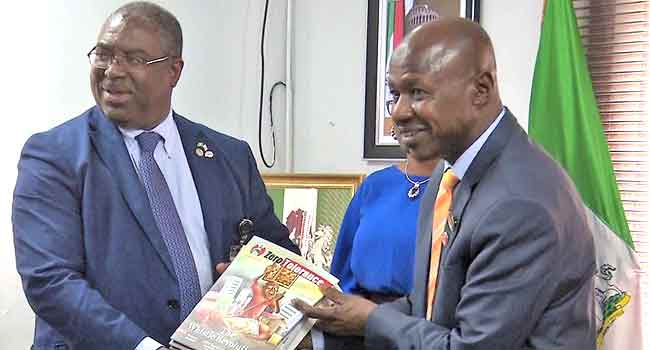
x: 114, y: 68
x: 403, y: 109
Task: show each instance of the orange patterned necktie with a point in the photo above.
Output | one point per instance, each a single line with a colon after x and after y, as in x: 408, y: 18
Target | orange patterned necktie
x: 438, y: 236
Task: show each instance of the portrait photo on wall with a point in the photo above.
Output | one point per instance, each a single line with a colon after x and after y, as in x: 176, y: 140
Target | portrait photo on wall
x: 388, y: 22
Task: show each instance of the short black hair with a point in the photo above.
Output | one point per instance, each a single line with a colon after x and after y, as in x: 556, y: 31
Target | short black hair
x: 171, y: 35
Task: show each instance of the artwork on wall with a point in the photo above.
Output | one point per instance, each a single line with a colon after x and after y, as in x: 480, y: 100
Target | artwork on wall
x: 312, y: 207
x: 388, y: 22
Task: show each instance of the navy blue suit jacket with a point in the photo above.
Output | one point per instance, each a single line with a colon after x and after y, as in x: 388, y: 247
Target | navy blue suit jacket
x: 94, y: 266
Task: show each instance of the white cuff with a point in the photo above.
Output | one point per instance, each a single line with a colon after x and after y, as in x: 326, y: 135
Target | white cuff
x: 317, y: 339
x: 149, y: 344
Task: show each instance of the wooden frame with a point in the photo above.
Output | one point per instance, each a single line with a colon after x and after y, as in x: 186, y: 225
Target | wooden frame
x: 312, y: 206
x: 378, y: 143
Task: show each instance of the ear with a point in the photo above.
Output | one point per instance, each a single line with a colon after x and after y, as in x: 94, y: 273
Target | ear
x: 175, y: 71
x: 484, y: 87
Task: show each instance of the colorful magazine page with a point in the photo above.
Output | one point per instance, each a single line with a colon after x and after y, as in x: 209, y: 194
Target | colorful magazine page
x: 249, y: 307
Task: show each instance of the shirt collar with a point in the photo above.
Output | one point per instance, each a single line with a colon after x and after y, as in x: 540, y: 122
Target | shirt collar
x: 167, y: 129
x: 465, y: 160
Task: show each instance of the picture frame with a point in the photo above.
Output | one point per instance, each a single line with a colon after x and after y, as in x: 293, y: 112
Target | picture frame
x: 312, y: 207
x: 383, y: 34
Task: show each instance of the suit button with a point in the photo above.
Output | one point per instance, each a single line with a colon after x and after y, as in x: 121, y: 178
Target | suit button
x: 173, y: 304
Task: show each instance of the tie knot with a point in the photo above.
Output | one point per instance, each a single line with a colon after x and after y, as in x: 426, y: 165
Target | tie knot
x: 449, y: 180
x: 148, y: 141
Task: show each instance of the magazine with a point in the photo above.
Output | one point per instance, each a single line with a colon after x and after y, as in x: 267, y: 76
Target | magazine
x: 249, y: 307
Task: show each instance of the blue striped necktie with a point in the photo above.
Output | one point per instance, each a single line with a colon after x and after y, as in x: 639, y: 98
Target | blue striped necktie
x: 169, y: 223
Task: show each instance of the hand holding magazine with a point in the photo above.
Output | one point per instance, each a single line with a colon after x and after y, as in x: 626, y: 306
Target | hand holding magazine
x: 249, y: 307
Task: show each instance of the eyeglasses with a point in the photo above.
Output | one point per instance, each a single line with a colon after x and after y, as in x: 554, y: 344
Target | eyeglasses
x: 390, y: 105
x: 103, y: 58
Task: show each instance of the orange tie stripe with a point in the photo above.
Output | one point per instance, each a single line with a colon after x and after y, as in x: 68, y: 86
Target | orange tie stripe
x: 440, y: 214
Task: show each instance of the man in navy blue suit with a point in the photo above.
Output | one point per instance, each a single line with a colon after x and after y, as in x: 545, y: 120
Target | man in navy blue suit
x: 121, y: 214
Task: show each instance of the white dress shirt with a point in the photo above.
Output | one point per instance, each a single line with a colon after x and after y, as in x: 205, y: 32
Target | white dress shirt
x: 465, y: 160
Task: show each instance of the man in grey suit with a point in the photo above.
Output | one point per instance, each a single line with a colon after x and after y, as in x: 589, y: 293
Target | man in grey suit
x: 516, y: 267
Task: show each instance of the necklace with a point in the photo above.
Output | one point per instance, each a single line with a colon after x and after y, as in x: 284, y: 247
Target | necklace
x: 414, y: 191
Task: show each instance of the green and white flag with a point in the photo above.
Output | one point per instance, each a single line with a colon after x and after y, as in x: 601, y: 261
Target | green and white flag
x: 565, y: 120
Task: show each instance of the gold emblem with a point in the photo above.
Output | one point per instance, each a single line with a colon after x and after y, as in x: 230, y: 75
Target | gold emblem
x: 202, y: 150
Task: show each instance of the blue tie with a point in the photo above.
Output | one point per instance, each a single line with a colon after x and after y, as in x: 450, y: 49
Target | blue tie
x: 169, y: 223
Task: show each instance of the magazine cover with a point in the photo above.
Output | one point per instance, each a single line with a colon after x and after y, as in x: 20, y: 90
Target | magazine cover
x: 249, y: 307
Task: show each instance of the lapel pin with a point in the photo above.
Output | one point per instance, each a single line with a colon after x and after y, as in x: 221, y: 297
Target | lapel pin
x: 452, y: 222
x: 445, y: 238
x: 202, y: 150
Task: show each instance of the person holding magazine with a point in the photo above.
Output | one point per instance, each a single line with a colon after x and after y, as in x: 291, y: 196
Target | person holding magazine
x: 505, y: 257
x: 121, y: 214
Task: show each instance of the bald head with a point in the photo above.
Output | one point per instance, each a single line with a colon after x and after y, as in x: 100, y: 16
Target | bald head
x: 457, y: 45
x: 444, y: 73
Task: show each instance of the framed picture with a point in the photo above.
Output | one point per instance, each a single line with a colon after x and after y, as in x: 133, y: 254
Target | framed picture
x: 312, y: 207
x: 388, y: 22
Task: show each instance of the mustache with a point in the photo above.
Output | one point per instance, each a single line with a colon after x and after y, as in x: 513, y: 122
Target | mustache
x: 115, y: 87
x: 411, y: 128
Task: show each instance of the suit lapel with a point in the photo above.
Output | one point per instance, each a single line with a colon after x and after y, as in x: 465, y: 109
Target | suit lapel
x: 481, y: 163
x: 462, y: 195
x: 111, y: 149
x: 211, y: 191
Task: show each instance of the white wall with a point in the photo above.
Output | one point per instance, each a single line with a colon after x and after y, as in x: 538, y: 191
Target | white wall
x: 330, y: 56
x: 514, y: 27
x: 46, y: 82
x: 329, y: 66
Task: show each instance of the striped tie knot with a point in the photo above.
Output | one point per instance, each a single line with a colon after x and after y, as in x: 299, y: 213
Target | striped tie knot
x: 148, y: 141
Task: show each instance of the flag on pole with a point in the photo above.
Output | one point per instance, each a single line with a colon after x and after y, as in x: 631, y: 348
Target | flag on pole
x: 565, y: 120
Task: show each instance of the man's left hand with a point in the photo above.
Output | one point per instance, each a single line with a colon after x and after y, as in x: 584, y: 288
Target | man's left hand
x: 221, y: 267
x: 345, y: 314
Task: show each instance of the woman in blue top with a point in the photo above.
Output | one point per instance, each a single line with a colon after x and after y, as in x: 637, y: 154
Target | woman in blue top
x: 375, y: 250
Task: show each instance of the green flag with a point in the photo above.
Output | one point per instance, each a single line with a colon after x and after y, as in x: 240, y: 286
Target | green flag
x: 564, y: 116
x: 564, y: 119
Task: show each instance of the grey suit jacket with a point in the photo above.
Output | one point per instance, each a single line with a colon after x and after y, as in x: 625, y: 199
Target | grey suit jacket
x: 517, y: 270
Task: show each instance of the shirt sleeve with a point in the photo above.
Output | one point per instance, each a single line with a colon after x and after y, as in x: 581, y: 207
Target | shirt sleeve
x: 317, y: 339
